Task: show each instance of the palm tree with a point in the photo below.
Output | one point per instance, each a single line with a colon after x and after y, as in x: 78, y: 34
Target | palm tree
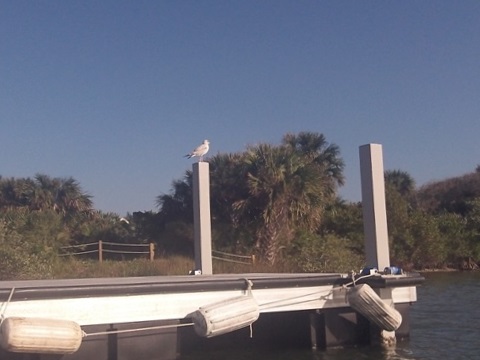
x: 64, y: 195
x: 316, y: 149
x: 178, y: 205
x: 400, y: 181
x: 10, y: 193
x: 43, y: 194
x: 286, y: 191
x: 228, y: 176
x: 70, y: 199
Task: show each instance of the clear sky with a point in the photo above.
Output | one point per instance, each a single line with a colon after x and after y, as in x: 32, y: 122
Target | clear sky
x: 114, y: 93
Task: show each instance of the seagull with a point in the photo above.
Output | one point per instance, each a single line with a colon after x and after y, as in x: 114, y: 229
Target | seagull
x: 199, y: 151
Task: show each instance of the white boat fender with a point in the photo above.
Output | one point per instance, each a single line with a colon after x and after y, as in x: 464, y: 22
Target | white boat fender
x: 41, y: 336
x: 366, y: 301
x: 226, y: 315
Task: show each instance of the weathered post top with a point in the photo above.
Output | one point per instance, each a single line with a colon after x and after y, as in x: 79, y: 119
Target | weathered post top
x: 201, y: 218
x: 373, y: 205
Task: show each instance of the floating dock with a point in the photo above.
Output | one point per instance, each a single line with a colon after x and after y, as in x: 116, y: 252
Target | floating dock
x: 152, y: 317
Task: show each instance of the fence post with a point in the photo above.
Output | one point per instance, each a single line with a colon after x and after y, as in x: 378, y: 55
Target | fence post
x: 253, y: 259
x: 100, y: 250
x: 152, y: 251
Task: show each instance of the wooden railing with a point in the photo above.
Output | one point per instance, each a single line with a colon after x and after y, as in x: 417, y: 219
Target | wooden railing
x: 107, y: 247
x: 102, y: 247
x: 238, y: 259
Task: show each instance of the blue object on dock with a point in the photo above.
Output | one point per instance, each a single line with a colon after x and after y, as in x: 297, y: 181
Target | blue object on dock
x: 393, y: 270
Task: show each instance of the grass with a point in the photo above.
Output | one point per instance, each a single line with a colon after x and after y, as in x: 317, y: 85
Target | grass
x: 71, y: 268
x: 172, y: 265
x: 74, y: 268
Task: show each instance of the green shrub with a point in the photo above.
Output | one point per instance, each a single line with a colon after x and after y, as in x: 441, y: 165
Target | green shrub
x: 29, y: 243
x: 329, y: 253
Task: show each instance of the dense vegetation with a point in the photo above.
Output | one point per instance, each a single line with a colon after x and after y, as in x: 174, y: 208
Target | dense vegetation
x: 279, y: 202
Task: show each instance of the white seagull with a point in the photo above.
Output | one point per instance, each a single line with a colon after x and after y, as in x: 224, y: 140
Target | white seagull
x: 199, y: 151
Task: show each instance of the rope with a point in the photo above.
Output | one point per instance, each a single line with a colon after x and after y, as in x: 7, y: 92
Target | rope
x: 249, y: 286
x: 79, y: 245
x: 353, y: 282
x: 121, y: 244
x: 249, y: 293
x: 125, y: 252
x: 80, y: 253
x: 232, y: 261
x: 288, y: 301
x: 233, y: 255
x: 84, y: 334
x: 104, y: 243
x: 107, y: 243
x: 2, y: 316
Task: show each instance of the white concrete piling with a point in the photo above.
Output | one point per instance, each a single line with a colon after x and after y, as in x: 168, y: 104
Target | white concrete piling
x: 201, y: 218
x: 373, y: 204
x: 375, y: 227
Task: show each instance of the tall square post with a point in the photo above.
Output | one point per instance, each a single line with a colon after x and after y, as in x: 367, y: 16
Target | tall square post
x: 373, y: 205
x: 201, y: 218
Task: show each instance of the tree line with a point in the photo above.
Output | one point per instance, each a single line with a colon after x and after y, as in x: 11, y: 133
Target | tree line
x: 279, y: 202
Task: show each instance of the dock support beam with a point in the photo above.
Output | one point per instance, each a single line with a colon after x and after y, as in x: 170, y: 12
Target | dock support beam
x: 375, y: 224
x: 201, y: 218
x: 373, y: 205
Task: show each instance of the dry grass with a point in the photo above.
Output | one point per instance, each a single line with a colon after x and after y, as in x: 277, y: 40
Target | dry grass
x: 176, y: 265
x: 173, y: 265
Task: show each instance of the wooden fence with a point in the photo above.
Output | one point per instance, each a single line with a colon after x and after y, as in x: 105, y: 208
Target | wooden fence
x: 233, y: 258
x: 105, y: 247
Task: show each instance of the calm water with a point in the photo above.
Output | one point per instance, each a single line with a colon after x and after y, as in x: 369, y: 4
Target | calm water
x: 445, y: 325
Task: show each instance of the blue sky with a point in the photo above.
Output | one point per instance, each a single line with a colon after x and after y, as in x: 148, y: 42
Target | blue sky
x: 114, y: 93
